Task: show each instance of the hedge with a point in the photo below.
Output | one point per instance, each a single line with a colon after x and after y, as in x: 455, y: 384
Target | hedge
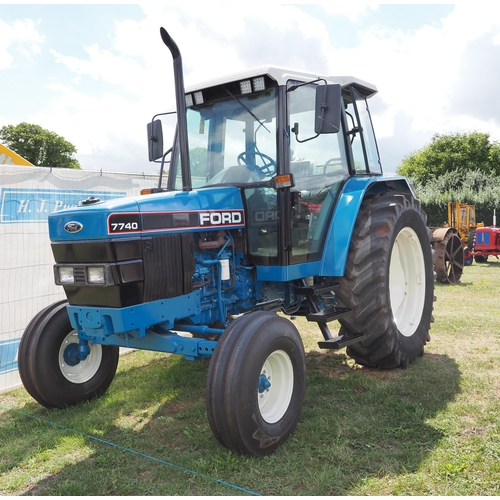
x: 473, y: 188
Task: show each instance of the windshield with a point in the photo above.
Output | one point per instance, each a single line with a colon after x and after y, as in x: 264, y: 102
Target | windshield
x: 232, y: 140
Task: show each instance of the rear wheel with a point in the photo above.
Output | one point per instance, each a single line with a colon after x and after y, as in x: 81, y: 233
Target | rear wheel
x: 256, y: 383
x: 49, y: 366
x: 388, y: 282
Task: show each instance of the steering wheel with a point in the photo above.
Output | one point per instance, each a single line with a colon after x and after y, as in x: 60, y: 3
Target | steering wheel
x: 266, y: 170
x: 333, y: 161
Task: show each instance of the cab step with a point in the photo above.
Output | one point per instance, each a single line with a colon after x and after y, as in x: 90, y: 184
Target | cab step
x: 329, y: 314
x: 342, y: 341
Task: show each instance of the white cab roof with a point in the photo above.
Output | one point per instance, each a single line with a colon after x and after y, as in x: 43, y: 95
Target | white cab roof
x: 282, y: 75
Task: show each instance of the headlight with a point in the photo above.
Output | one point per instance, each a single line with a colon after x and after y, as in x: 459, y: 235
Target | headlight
x: 96, y: 275
x: 66, y: 275
x: 82, y: 275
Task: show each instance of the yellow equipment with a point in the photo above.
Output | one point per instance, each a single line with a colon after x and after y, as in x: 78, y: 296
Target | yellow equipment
x: 463, y: 218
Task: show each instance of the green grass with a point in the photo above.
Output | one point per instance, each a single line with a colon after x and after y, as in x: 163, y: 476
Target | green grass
x: 432, y: 429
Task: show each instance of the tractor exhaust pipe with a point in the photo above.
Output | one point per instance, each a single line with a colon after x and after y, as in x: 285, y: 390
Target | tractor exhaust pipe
x: 180, y: 101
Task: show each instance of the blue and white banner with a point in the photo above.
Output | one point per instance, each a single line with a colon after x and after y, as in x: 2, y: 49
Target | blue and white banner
x: 35, y: 205
x: 28, y: 195
x: 8, y: 355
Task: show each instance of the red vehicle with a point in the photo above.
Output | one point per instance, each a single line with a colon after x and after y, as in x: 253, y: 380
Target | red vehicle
x: 487, y: 242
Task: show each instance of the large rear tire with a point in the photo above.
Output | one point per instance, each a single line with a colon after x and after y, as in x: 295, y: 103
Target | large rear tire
x: 49, y: 368
x: 388, y: 282
x: 256, y: 383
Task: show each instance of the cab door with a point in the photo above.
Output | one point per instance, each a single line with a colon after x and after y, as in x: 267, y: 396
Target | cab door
x: 319, y: 165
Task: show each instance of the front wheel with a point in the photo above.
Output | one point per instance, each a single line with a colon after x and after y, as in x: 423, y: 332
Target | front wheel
x: 256, y: 383
x: 49, y: 365
x: 388, y: 282
x: 481, y: 258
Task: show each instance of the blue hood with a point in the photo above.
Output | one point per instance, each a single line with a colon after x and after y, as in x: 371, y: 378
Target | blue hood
x: 167, y: 212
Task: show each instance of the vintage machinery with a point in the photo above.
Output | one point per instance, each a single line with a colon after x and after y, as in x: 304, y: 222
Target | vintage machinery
x: 453, y: 242
x: 274, y: 201
x: 485, y: 242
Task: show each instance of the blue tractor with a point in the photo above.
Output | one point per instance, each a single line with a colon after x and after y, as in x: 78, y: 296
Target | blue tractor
x: 273, y: 205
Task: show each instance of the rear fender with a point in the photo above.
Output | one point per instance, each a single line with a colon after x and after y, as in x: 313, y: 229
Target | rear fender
x: 345, y: 215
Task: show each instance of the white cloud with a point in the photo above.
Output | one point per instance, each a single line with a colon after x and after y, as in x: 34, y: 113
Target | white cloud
x: 22, y: 34
x: 109, y: 132
x: 121, y: 70
x: 212, y: 44
x: 110, y: 125
x: 417, y: 72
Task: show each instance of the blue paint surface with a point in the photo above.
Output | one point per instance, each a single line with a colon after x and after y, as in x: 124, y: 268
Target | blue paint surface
x: 8, y: 355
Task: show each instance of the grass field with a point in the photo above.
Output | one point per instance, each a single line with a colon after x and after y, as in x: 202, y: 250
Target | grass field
x: 432, y: 429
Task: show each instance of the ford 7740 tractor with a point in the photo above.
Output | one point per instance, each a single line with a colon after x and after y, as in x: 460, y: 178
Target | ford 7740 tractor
x: 274, y: 205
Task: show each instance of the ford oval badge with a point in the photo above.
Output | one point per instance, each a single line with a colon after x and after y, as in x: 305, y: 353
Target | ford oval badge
x: 73, y: 227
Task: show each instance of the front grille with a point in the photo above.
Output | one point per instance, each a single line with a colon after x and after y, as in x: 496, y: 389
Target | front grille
x: 166, y: 269
x: 168, y: 266
x: 79, y: 275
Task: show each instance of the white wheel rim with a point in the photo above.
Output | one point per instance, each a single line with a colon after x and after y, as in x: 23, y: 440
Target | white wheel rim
x: 84, y: 370
x: 275, y: 399
x: 407, y: 281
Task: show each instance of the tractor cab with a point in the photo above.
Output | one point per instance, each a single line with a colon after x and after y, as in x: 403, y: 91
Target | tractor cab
x: 288, y: 140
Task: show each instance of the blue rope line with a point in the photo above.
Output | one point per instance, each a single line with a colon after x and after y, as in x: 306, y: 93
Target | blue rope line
x: 183, y: 469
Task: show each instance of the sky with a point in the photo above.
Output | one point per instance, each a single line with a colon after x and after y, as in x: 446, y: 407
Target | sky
x: 97, y: 73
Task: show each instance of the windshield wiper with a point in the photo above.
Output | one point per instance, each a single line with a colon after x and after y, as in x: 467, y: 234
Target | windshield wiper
x: 247, y: 109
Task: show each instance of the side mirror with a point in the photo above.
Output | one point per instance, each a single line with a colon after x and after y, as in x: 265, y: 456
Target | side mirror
x: 328, y: 108
x: 155, y: 140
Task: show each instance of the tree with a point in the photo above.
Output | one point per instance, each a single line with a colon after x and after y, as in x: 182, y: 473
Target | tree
x: 39, y: 146
x: 198, y: 160
x: 457, y: 153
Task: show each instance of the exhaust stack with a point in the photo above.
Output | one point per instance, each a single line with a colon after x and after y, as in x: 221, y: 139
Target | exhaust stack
x: 181, y: 109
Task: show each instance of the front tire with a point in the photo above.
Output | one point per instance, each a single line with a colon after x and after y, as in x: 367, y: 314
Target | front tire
x: 256, y: 383
x: 480, y: 259
x: 388, y: 282
x: 48, y: 366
